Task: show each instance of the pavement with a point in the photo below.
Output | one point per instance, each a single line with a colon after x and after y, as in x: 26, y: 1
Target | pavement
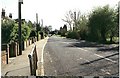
x: 70, y: 57
x: 19, y: 66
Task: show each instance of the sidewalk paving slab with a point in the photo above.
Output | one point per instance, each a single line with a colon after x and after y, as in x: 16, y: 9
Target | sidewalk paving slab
x: 19, y: 66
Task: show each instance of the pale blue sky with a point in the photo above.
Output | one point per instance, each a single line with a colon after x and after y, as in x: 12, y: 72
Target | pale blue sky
x: 52, y: 11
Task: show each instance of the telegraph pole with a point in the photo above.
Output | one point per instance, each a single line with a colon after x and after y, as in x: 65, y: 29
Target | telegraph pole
x: 42, y: 22
x: 37, y: 18
x: 119, y: 24
x: 19, y: 24
x: 37, y: 26
x: 74, y: 28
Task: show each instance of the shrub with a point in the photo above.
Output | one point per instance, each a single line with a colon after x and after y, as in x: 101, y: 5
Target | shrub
x: 25, y: 32
x: 33, y: 33
x: 7, y: 27
x: 73, y: 35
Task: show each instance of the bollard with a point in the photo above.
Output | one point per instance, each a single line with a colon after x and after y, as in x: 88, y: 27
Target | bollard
x: 32, y: 39
x: 33, y: 61
x: 35, y: 39
x: 30, y: 60
x: 36, y: 59
x: 28, y: 41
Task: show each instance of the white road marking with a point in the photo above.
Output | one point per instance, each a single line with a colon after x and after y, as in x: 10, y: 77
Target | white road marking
x: 79, y: 58
x: 50, y: 59
x: 105, y: 71
x: 83, y: 59
x: 56, y: 72
x: 42, y: 60
x: 87, y: 60
x: 105, y: 58
x: 99, y: 55
x: 69, y: 42
x: 82, y: 49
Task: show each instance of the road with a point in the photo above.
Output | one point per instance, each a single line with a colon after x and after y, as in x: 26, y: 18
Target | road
x: 79, y: 58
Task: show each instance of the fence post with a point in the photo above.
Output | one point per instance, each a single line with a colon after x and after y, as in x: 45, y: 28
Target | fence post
x: 7, y: 53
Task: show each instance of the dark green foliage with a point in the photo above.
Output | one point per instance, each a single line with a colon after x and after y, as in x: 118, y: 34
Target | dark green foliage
x: 33, y: 33
x: 63, y: 30
x: 25, y: 32
x: 101, y: 24
x: 30, y: 25
x: 73, y: 35
x: 10, y: 31
x: 82, y: 27
x: 114, y: 30
x: 38, y: 28
x: 82, y: 34
x: 42, y: 35
x: 7, y: 27
x: 46, y: 30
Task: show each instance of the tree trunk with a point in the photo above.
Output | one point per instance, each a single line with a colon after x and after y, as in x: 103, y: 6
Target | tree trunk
x: 111, y: 40
x: 103, y: 36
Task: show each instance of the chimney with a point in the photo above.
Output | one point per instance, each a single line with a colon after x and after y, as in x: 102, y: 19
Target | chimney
x: 3, y: 12
x: 10, y: 15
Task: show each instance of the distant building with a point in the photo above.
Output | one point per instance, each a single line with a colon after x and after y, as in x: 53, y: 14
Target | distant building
x: 3, y: 15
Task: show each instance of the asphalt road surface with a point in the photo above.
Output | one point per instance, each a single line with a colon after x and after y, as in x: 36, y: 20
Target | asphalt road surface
x: 70, y: 57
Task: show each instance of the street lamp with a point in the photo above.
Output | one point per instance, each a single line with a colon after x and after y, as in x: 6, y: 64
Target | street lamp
x: 19, y: 24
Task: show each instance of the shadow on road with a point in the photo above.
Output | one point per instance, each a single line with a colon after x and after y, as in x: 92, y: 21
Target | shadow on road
x: 86, y: 44
x: 109, y: 49
x: 99, y: 59
x: 100, y: 47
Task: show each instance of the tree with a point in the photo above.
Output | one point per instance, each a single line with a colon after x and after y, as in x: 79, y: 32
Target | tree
x: 47, y: 29
x: 82, y: 28
x: 7, y: 27
x: 25, y: 32
x: 100, y: 22
x: 114, y: 31
x: 10, y: 31
x: 50, y: 28
x: 72, y: 17
x: 63, y: 30
x: 30, y: 24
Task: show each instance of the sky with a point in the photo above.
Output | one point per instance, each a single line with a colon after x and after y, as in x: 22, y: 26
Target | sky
x: 52, y: 11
